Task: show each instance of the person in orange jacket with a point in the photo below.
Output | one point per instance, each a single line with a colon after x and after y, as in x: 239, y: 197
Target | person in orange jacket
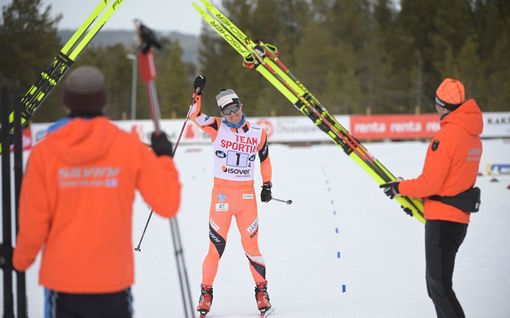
x: 447, y: 186
x: 76, y: 203
x: 236, y: 144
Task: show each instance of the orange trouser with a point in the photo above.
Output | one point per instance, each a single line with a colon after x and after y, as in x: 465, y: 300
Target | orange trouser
x: 241, y: 202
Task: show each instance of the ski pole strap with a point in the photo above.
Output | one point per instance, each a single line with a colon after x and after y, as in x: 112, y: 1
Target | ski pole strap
x: 467, y: 201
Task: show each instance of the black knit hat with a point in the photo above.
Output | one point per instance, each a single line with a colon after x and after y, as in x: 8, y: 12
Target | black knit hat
x: 84, y: 91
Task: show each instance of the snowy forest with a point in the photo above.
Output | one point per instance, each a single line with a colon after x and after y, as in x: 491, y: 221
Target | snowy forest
x: 356, y: 56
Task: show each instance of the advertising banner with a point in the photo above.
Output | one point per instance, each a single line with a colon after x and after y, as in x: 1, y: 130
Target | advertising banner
x: 143, y: 129
x: 380, y: 127
x: 295, y: 128
x: 496, y: 125
x: 300, y: 129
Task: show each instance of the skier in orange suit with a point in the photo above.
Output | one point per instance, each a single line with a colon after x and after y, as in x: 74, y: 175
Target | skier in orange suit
x: 236, y: 143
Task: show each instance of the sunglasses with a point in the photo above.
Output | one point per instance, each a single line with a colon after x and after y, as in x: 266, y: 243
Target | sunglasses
x: 231, y: 109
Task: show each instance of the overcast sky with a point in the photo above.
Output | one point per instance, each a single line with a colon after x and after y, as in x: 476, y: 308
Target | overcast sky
x: 171, y: 15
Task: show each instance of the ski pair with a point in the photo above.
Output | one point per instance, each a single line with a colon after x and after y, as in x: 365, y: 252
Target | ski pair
x: 264, y: 58
x: 63, y: 61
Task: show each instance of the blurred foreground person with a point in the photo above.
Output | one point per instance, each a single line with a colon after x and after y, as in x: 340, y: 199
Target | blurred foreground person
x: 76, y: 204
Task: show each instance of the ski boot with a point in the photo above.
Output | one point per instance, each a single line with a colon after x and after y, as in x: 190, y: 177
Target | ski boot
x: 205, y: 301
x: 262, y: 298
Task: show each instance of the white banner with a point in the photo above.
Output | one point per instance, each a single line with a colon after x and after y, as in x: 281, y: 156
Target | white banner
x: 295, y: 128
x: 496, y: 125
x: 279, y: 129
x: 143, y: 129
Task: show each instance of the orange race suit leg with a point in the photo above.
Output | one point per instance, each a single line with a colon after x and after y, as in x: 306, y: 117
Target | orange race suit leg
x: 240, y: 202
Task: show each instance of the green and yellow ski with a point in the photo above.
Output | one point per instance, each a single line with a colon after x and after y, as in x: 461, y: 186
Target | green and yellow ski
x: 264, y: 58
x: 63, y: 61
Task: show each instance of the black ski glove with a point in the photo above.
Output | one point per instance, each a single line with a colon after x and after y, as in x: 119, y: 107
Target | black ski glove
x: 265, y: 194
x: 199, y: 84
x: 161, y: 145
x: 390, y: 188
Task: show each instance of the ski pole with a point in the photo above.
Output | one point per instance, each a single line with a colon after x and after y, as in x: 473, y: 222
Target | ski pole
x: 180, y: 133
x: 6, y: 245
x: 281, y: 200
x: 148, y: 70
x: 138, y: 248
x: 21, y: 284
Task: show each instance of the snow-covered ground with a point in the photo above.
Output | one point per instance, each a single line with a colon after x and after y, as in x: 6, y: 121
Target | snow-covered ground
x: 342, y: 249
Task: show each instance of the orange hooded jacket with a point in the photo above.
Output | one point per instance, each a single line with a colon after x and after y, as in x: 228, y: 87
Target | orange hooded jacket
x: 76, y: 202
x: 451, y: 164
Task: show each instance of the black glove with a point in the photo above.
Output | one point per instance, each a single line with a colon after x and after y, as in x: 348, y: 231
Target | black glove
x: 390, y: 188
x: 265, y: 194
x: 199, y: 84
x: 161, y: 145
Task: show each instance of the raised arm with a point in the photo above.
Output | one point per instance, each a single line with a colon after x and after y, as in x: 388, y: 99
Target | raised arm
x: 209, y: 125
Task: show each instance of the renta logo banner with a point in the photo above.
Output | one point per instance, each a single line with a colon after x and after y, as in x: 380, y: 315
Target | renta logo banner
x: 377, y: 127
x: 423, y: 126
